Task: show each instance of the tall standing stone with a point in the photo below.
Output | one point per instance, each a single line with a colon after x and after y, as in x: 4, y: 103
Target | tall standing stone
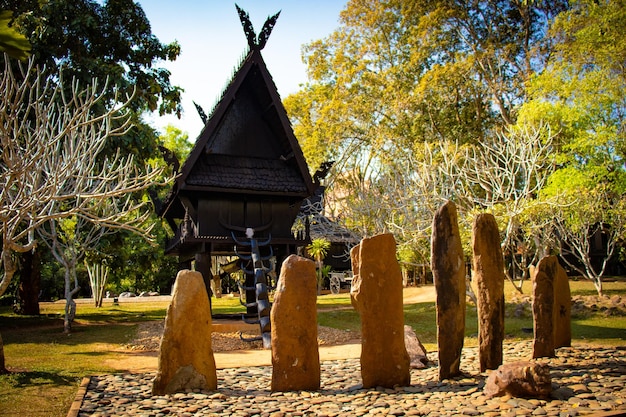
x: 543, y: 307
x: 562, y: 311
x: 186, y: 359
x: 488, y: 267
x: 377, y: 296
x: 448, y: 266
x: 295, y: 354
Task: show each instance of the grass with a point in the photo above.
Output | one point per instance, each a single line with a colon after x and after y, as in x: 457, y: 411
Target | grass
x: 49, y: 365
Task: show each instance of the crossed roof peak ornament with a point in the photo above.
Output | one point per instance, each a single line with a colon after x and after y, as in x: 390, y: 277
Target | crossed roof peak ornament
x: 254, y: 41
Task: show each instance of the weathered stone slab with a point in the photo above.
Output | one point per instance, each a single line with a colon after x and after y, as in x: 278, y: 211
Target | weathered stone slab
x: 448, y: 266
x: 295, y: 353
x: 186, y: 359
x: 519, y: 379
x: 488, y: 267
x: 416, y: 350
x: 377, y: 295
x: 562, y: 311
x: 543, y: 307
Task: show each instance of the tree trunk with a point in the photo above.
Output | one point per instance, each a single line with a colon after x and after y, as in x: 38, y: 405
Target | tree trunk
x: 597, y: 282
x: 70, y: 314
x: 70, y: 304
x: 3, y: 369
x: 30, y: 279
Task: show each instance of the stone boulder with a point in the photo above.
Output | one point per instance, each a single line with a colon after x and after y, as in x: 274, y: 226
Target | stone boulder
x: 377, y: 296
x: 488, y: 268
x: 519, y: 379
x: 295, y: 353
x: 417, y: 352
x: 186, y: 359
x: 448, y: 266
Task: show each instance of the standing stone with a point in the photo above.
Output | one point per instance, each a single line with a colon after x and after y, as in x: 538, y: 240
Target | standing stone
x: 488, y: 266
x: 448, y: 266
x: 377, y: 296
x: 186, y: 359
x: 416, y: 350
x: 543, y: 307
x: 562, y: 310
x: 295, y: 354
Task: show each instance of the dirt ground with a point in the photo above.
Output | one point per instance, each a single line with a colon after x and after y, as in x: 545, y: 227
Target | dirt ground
x: 141, y: 354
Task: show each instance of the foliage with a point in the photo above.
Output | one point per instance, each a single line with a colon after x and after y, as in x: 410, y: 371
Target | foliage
x: 582, y: 93
x: 396, y: 79
x: 12, y: 42
x: 318, y: 248
x: 110, y: 39
x: 423, y: 102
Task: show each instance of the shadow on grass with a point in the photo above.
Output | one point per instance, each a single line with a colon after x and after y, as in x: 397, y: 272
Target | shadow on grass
x: 586, y: 331
x: 21, y: 379
x: 82, y: 333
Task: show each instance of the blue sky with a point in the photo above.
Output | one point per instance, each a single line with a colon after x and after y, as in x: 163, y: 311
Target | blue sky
x: 212, y: 42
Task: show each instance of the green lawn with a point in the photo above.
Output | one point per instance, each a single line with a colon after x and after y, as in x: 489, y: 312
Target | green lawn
x: 49, y: 365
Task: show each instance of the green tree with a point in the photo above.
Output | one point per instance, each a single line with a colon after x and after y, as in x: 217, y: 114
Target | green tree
x: 397, y: 78
x: 318, y: 248
x: 12, y: 42
x: 110, y: 39
x: 582, y: 95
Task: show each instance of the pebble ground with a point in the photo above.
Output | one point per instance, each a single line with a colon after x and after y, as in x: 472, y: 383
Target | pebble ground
x: 586, y: 381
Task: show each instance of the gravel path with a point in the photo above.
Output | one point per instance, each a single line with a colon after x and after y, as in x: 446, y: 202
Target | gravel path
x: 585, y: 381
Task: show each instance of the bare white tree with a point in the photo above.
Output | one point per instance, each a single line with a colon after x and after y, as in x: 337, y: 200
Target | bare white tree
x: 505, y: 176
x: 596, y: 215
x: 51, y: 138
x: 401, y: 193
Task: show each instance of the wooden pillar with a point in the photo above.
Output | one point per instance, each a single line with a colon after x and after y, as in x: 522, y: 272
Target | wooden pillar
x: 203, y: 265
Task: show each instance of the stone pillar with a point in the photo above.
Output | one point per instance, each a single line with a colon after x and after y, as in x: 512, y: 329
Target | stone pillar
x: 488, y: 266
x: 295, y: 353
x: 562, y: 311
x: 186, y: 359
x: 543, y: 305
x: 448, y: 266
x: 377, y: 296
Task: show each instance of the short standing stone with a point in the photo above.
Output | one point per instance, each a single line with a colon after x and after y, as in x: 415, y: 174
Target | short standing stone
x: 488, y: 267
x: 562, y: 310
x: 415, y: 349
x: 543, y: 305
x: 519, y: 379
x: 377, y: 296
x: 448, y: 266
x: 186, y: 357
x: 295, y: 354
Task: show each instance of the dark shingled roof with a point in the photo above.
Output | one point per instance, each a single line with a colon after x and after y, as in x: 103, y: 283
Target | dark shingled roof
x: 245, y: 173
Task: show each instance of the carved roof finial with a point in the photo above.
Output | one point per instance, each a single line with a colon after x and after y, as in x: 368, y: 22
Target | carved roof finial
x: 253, y: 41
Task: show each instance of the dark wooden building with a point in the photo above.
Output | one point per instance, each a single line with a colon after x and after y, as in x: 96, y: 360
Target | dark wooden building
x: 246, y: 171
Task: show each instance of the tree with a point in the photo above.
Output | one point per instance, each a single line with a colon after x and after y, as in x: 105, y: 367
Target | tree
x: 99, y: 40
x: 50, y: 170
x: 596, y: 211
x: 399, y: 76
x: 582, y: 95
x: 318, y: 248
x: 12, y: 42
x: 104, y: 40
x: 505, y: 175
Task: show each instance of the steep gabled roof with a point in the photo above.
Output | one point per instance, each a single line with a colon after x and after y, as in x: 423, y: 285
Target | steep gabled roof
x: 248, y: 142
